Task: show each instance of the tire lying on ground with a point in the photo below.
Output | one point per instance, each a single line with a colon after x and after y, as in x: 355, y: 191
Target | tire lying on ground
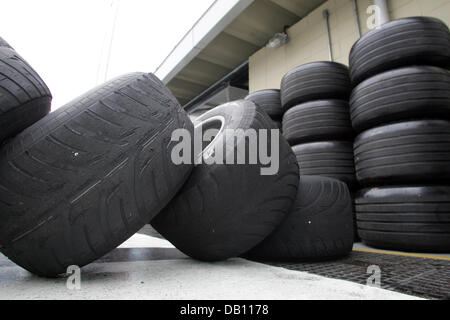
x: 88, y: 176
x: 333, y: 159
x: 269, y: 101
x: 411, y: 218
x: 400, y: 43
x: 24, y: 97
x: 418, y: 92
x: 226, y: 209
x: 319, y: 226
x: 407, y: 152
x: 314, y: 81
x: 316, y: 121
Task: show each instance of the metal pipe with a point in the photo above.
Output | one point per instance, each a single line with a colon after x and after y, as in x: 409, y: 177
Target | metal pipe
x: 358, y: 24
x: 384, y: 12
x: 326, y: 15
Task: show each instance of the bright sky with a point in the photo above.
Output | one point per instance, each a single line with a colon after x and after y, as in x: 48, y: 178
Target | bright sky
x: 67, y: 42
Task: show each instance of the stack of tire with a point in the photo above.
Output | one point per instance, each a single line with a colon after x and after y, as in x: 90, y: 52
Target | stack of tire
x: 316, y: 123
x: 400, y: 107
x: 76, y: 183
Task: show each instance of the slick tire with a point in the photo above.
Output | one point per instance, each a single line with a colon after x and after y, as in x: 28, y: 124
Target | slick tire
x: 404, y: 153
x: 413, y: 218
x: 400, y: 43
x: 318, y: 121
x: 332, y: 159
x: 419, y: 92
x: 269, y: 101
x: 318, y: 227
x: 315, y: 81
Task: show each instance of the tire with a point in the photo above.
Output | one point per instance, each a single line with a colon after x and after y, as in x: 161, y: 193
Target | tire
x: 225, y: 210
x: 318, y: 227
x: 88, y: 176
x: 400, y: 43
x: 269, y: 101
x: 24, y: 97
x: 315, y: 81
x: 407, y: 152
x: 403, y: 94
x: 333, y: 159
x: 405, y: 218
x: 318, y: 121
x: 3, y: 43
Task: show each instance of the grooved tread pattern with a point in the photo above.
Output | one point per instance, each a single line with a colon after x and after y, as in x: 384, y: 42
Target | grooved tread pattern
x: 399, y: 43
x: 318, y: 121
x: 417, y: 92
x: 225, y: 210
x: 407, y: 152
x: 24, y: 97
x: 333, y: 159
x: 413, y: 218
x: 79, y: 182
x: 319, y: 226
x: 269, y: 100
x: 315, y: 81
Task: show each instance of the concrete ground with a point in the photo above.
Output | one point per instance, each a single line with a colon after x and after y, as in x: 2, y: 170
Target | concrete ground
x: 146, y: 267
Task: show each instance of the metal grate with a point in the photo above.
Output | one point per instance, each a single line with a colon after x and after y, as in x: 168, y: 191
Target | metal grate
x: 428, y: 278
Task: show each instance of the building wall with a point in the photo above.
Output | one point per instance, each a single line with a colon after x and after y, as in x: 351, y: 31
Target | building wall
x: 309, y: 37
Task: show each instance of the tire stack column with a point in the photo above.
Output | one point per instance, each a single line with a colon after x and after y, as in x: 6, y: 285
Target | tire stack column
x: 316, y: 120
x: 400, y: 108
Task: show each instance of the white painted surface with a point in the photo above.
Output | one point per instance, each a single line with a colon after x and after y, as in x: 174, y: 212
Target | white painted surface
x: 185, y: 279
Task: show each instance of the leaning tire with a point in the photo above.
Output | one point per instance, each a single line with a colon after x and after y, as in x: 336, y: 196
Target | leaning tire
x: 418, y: 92
x: 400, y: 43
x: 225, y: 210
x: 318, y: 121
x: 405, y: 218
x: 318, y: 227
x: 333, y: 159
x: 87, y: 177
x: 269, y: 101
x: 407, y: 152
x: 315, y: 81
x: 24, y: 97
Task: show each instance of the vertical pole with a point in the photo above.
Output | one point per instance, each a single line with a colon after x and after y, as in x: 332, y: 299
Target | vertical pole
x: 384, y: 12
x: 358, y: 25
x: 326, y: 15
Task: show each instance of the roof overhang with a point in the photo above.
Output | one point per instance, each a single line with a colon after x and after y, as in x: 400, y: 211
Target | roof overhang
x: 226, y: 35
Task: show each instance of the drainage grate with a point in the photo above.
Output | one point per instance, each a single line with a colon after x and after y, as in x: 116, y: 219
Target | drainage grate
x: 428, y: 278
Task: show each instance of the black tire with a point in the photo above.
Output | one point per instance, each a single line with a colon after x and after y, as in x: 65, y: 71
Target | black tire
x: 315, y: 81
x: 333, y: 159
x: 278, y: 124
x: 407, y: 152
x: 318, y: 121
x: 400, y: 43
x: 3, y: 43
x: 24, y: 97
x: 269, y: 100
x: 318, y: 227
x: 403, y: 94
x: 225, y: 210
x: 405, y: 218
x: 88, y: 176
